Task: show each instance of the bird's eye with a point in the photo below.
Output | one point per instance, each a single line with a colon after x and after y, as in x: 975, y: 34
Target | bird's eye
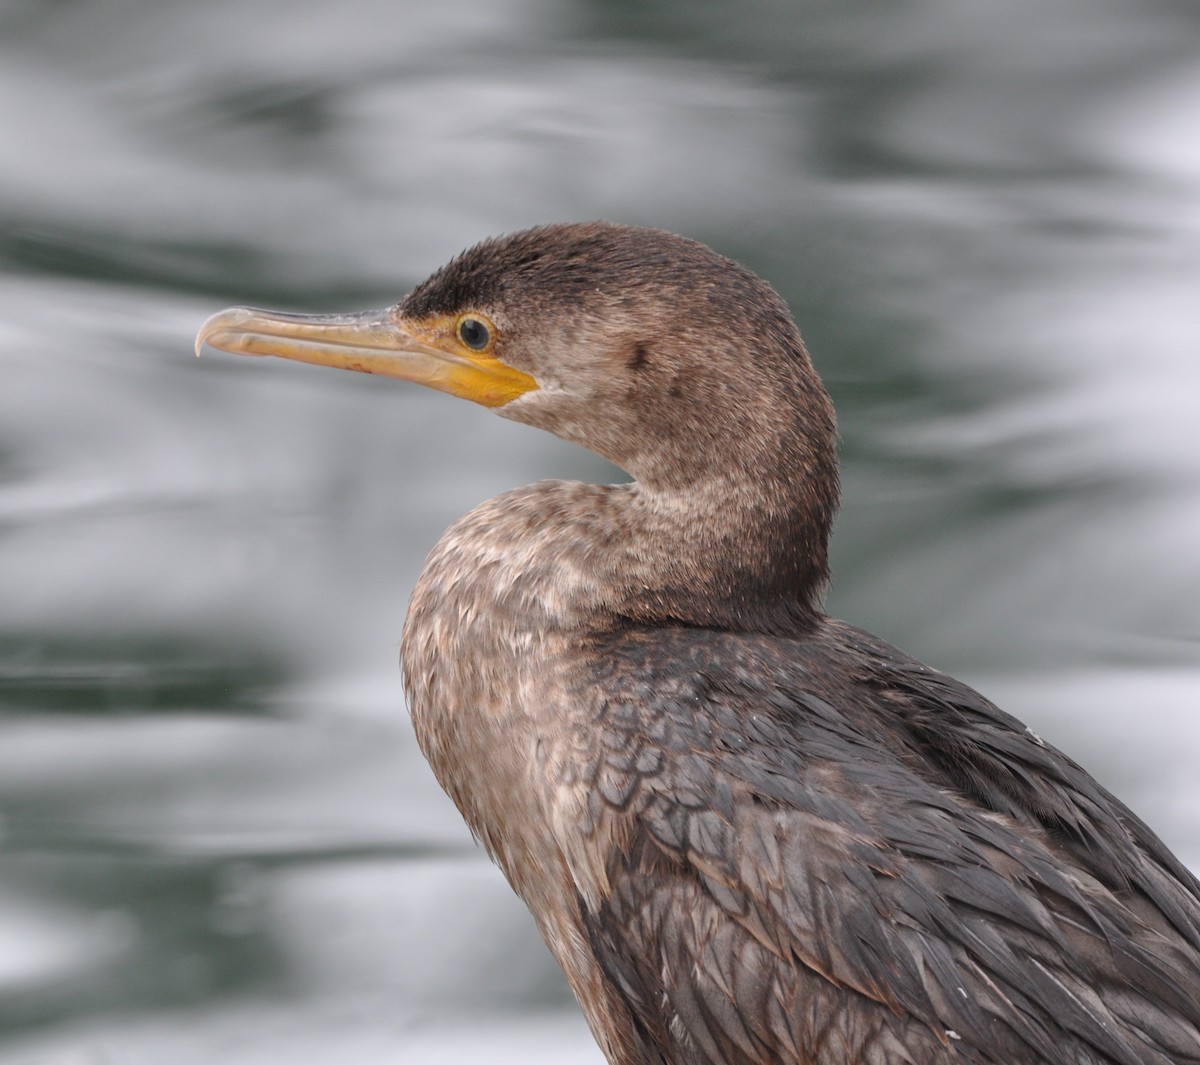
x: 474, y: 333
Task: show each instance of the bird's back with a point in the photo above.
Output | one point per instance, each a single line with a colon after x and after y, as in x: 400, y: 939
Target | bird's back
x: 815, y: 849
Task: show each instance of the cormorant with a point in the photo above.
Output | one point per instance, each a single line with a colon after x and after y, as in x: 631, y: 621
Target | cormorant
x: 749, y: 833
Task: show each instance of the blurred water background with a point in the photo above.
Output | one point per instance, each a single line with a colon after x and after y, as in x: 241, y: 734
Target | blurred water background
x: 217, y: 840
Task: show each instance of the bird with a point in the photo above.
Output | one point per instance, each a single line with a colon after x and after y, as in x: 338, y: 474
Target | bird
x: 750, y: 833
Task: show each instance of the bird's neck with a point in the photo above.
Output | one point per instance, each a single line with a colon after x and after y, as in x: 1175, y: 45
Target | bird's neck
x: 568, y: 557
x: 742, y: 554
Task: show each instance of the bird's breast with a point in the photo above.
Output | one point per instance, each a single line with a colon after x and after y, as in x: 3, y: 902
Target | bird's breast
x: 486, y: 640
x: 491, y: 668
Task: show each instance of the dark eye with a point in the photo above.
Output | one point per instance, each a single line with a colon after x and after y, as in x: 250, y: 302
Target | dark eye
x: 474, y: 333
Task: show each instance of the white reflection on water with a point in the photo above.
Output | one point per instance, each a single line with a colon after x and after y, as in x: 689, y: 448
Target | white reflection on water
x: 384, y: 156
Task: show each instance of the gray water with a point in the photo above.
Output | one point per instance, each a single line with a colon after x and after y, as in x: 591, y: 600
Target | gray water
x: 218, y: 839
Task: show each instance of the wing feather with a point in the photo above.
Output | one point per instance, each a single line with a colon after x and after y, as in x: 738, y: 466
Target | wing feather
x: 874, y: 866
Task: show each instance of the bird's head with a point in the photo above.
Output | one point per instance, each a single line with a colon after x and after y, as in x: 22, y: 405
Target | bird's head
x: 645, y: 347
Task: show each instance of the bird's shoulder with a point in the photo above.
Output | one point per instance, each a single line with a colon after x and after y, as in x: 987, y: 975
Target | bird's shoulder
x: 822, y: 817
